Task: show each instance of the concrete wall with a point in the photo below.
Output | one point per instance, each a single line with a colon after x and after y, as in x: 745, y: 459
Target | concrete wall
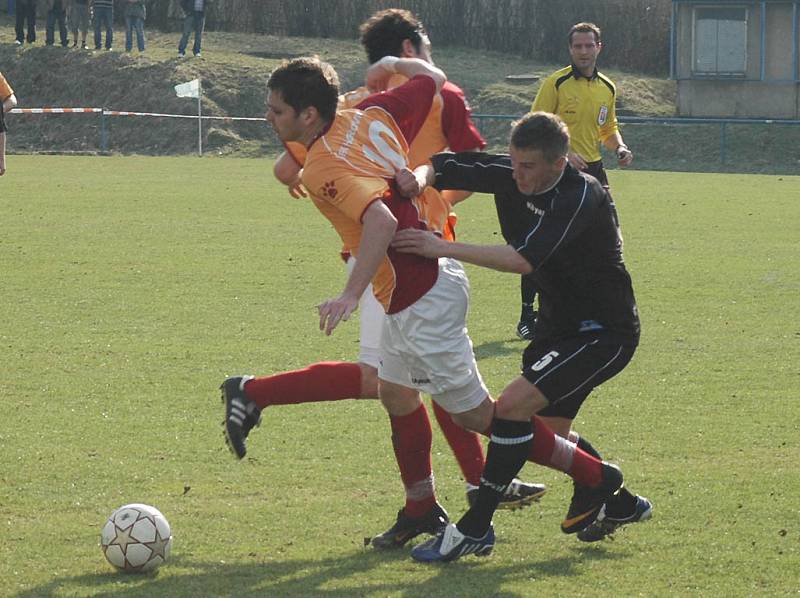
x: 737, y: 99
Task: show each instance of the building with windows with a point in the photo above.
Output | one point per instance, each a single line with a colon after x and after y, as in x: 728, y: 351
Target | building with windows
x: 736, y: 58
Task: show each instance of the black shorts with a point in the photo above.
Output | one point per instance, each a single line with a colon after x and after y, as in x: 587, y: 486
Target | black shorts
x: 566, y: 371
x: 597, y: 171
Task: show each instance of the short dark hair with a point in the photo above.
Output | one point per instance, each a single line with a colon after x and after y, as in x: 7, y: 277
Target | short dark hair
x: 384, y: 32
x: 305, y: 82
x: 584, y: 28
x: 541, y: 131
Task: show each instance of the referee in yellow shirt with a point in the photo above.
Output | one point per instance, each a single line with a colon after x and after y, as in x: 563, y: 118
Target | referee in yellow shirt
x: 585, y: 99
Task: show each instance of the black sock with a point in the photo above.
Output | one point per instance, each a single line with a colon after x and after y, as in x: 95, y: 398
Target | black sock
x: 528, y: 290
x: 508, y: 450
x: 623, y: 503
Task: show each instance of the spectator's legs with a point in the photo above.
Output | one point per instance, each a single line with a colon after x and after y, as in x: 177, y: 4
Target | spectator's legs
x: 139, y: 24
x: 62, y: 28
x: 49, y: 36
x: 19, y: 27
x: 31, y: 10
x: 199, y: 24
x: 128, y: 33
x: 188, y: 25
x: 109, y: 18
x: 98, y: 40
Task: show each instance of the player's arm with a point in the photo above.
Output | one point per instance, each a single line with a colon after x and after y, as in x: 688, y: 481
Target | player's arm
x: 379, y: 226
x: 497, y: 257
x: 615, y: 143
x: 379, y: 73
x: 288, y: 172
x: 471, y: 171
x: 611, y: 138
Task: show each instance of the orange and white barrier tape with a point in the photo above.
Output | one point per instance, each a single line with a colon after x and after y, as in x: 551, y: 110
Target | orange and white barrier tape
x: 126, y: 113
x: 54, y: 110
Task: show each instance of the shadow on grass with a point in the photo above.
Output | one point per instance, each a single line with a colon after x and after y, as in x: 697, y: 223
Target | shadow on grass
x: 355, y: 574
x: 500, y: 349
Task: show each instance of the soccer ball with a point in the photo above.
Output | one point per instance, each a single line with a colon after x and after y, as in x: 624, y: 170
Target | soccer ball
x: 136, y: 538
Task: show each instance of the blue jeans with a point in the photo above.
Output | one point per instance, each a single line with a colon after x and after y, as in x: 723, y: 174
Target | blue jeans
x: 52, y: 17
x: 103, y: 16
x: 134, y: 24
x: 194, y: 21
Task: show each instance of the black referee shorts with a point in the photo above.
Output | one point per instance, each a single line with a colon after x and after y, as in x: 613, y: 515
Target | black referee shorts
x: 566, y: 371
x: 597, y: 170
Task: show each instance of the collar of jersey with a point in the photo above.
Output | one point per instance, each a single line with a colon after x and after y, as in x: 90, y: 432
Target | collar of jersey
x: 578, y: 75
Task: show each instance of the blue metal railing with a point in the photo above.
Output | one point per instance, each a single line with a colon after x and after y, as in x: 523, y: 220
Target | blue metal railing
x: 654, y: 120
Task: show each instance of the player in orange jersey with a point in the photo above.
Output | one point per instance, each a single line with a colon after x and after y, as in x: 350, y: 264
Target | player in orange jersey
x: 352, y: 158
x: 392, y: 32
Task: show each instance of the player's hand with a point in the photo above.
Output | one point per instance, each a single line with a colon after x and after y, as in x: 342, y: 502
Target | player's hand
x: 296, y: 189
x: 333, y: 311
x: 420, y: 242
x: 576, y: 161
x: 410, y: 182
x: 624, y: 156
x: 378, y: 75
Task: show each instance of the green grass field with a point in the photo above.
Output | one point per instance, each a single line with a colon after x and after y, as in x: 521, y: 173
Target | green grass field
x: 132, y: 286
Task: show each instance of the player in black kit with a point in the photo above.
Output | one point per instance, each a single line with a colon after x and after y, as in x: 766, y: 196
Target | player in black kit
x: 565, y: 233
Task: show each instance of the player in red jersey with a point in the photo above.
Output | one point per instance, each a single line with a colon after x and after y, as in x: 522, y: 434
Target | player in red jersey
x: 392, y: 32
x: 352, y: 158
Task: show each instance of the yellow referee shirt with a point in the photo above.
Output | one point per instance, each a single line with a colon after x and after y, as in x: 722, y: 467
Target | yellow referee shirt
x: 585, y: 105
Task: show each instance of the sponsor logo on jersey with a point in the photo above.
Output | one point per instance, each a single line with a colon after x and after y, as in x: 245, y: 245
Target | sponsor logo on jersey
x: 602, y: 116
x: 534, y: 209
x: 420, y: 380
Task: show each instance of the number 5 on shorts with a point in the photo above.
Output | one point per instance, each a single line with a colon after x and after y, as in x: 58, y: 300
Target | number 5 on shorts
x: 544, y: 361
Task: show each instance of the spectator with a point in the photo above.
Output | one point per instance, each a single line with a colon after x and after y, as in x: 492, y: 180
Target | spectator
x: 103, y: 16
x: 26, y: 10
x: 135, y: 14
x: 9, y: 100
x: 78, y: 18
x: 194, y: 19
x: 56, y: 11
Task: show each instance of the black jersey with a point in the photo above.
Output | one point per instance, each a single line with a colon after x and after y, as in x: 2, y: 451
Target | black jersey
x: 569, y: 234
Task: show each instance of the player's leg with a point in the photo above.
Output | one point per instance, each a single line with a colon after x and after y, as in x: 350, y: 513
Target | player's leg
x: 411, y: 439
x: 527, y: 318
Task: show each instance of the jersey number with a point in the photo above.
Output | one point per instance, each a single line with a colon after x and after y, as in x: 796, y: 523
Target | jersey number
x: 386, y: 150
x: 544, y: 361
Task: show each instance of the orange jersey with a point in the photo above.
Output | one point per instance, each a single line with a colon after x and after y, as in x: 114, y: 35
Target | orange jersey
x: 353, y: 163
x: 448, y: 124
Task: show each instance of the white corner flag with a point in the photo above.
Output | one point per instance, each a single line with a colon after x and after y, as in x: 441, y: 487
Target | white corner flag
x: 191, y: 89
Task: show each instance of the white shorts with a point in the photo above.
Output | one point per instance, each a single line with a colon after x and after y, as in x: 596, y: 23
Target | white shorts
x: 370, y: 315
x: 426, y: 346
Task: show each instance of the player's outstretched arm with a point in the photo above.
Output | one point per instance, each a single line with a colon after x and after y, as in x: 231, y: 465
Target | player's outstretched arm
x: 379, y: 227
x: 497, y: 257
x: 378, y: 74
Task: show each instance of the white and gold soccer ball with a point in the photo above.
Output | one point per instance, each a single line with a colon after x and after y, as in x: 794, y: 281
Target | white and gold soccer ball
x: 136, y: 538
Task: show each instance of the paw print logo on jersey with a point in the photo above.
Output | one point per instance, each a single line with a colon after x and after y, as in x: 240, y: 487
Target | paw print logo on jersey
x: 329, y: 189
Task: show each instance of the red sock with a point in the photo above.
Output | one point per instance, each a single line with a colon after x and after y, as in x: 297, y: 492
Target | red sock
x: 325, y: 381
x: 466, y: 446
x: 411, y: 437
x: 553, y: 451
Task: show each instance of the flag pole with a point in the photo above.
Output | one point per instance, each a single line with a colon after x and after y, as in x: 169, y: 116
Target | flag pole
x: 199, y: 118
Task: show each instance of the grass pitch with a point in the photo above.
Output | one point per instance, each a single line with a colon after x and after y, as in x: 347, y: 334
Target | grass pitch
x: 132, y: 286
